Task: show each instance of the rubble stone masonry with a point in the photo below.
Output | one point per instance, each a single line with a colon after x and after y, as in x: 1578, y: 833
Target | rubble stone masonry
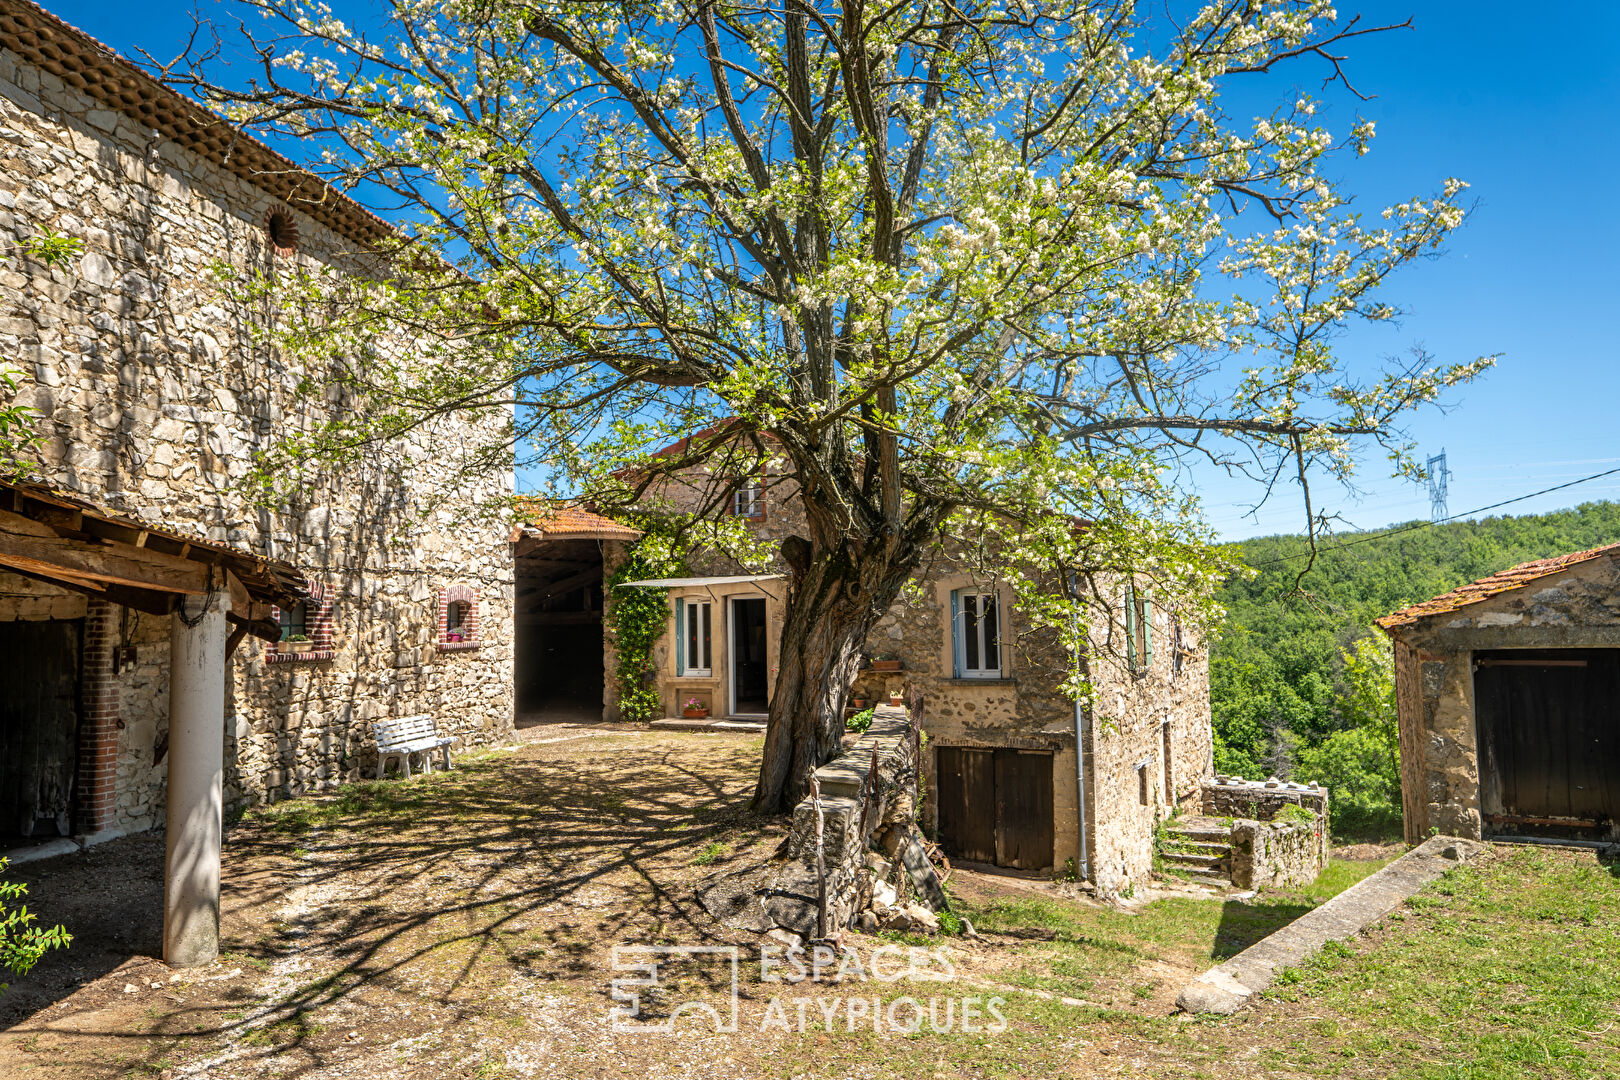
x: 156, y: 392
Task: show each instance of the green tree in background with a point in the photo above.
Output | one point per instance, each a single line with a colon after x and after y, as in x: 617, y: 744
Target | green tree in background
x: 1301, y: 690
x: 1360, y: 763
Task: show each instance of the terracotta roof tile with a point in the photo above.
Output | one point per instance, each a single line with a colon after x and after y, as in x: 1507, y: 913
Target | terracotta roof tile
x: 558, y: 521
x: 1486, y: 587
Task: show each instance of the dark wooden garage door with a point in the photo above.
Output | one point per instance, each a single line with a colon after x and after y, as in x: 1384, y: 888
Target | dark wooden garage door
x: 1549, y: 732
x: 995, y: 806
x: 39, y: 720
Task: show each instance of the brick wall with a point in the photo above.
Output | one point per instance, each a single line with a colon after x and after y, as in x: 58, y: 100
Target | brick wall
x: 96, y: 794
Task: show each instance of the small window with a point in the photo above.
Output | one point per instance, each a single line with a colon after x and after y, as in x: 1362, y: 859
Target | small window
x: 308, y: 626
x: 457, y: 620
x: 976, y: 623
x: 1138, y: 632
x: 695, y: 652
x: 748, y: 501
x: 294, y: 622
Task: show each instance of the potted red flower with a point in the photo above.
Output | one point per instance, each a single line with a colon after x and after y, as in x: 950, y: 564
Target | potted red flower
x: 694, y: 709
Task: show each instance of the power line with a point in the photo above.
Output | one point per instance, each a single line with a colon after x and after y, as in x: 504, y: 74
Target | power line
x: 1426, y: 524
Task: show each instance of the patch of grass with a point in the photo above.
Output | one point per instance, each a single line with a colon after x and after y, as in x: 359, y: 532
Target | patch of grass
x: 709, y: 853
x: 1501, y: 970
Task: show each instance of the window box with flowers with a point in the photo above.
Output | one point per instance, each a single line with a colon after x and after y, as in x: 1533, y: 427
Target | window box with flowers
x: 458, y: 619
x: 306, y: 629
x: 694, y: 709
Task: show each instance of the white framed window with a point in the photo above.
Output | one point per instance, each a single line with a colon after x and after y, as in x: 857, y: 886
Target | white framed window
x: 693, y: 622
x: 976, y: 633
x: 748, y: 501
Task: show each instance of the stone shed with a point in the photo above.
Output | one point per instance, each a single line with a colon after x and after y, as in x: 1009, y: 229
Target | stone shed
x: 1507, y: 691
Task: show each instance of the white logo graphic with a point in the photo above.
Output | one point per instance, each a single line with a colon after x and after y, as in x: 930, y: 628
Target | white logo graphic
x: 645, y: 961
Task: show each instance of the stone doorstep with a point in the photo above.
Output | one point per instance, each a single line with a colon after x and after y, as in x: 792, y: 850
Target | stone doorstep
x: 681, y: 723
x: 1228, y: 987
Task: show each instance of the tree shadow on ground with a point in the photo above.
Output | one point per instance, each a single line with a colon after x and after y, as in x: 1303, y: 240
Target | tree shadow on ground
x: 532, y: 865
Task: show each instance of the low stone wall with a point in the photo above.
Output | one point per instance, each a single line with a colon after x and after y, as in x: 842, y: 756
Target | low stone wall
x: 1268, y: 853
x: 1235, y: 797
x: 868, y: 795
x: 1277, y: 854
x: 868, y: 800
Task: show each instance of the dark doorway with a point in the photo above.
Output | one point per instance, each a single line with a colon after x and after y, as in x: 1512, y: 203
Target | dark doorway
x: 558, y: 645
x: 39, y: 722
x: 750, y: 663
x: 995, y: 805
x: 1548, y: 725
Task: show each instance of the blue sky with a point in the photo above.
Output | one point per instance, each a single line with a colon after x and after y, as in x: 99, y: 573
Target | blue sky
x: 1525, y: 110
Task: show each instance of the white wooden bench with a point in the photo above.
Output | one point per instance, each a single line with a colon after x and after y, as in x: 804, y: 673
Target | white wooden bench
x: 407, y: 735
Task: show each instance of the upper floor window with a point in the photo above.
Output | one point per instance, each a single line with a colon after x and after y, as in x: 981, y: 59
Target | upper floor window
x: 1138, y: 631
x: 695, y: 654
x: 976, y: 634
x: 748, y: 501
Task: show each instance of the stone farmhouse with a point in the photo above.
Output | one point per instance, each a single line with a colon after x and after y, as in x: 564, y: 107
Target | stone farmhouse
x: 144, y: 598
x: 1004, y: 783
x: 1505, y: 691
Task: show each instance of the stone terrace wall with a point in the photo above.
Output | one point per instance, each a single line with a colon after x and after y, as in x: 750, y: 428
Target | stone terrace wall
x: 1233, y: 796
x: 157, y: 391
x: 1278, y: 854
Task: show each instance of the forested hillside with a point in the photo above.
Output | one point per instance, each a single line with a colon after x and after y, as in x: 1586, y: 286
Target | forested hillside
x: 1294, y: 695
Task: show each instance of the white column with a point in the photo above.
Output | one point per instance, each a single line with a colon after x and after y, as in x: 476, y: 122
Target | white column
x: 196, y: 771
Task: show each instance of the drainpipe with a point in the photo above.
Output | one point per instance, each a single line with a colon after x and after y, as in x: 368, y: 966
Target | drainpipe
x: 1079, y: 747
x: 1080, y: 785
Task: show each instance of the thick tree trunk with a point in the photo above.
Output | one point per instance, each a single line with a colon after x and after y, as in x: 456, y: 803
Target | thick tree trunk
x: 833, y: 605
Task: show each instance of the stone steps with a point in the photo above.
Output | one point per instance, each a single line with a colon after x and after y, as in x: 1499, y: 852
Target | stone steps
x: 1200, y: 849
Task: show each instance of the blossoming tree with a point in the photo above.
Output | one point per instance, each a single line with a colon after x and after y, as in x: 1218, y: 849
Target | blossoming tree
x: 969, y: 271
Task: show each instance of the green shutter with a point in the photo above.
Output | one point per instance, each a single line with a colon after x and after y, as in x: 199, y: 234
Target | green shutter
x: 1130, y: 627
x: 680, y: 637
x: 956, y: 633
x: 1147, y: 635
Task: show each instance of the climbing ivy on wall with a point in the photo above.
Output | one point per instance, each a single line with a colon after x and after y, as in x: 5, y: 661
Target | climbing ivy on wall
x: 637, y: 618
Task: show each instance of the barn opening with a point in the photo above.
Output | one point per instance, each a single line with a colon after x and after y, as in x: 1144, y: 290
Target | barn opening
x: 1549, y: 742
x: 995, y: 805
x: 39, y: 723
x: 558, y: 643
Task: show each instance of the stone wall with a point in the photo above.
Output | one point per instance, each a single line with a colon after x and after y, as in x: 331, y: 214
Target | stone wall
x: 157, y: 389
x: 1278, y: 854
x: 1150, y: 742
x: 1233, y: 796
